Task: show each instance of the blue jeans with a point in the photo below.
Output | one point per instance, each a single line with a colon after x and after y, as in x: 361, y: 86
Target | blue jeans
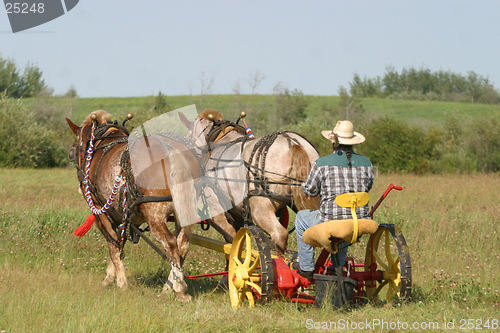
x: 304, y: 220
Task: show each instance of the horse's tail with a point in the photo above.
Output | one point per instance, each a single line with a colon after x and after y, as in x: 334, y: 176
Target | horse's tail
x: 300, y: 168
x: 182, y: 190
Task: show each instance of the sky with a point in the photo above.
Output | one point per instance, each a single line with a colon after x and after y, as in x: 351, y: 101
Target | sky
x: 136, y: 48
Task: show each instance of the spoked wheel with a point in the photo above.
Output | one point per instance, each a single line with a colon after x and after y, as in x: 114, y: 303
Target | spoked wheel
x: 250, y: 267
x: 388, y: 249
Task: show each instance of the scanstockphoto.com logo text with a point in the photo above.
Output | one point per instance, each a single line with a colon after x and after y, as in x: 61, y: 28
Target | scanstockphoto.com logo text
x: 382, y: 324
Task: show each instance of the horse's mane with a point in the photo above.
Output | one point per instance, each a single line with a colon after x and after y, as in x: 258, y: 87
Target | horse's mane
x: 102, y: 117
x: 216, y: 113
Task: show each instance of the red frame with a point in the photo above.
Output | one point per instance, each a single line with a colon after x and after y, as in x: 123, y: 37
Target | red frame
x: 288, y: 282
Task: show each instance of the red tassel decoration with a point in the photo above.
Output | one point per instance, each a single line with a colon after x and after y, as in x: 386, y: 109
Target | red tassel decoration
x: 82, y: 230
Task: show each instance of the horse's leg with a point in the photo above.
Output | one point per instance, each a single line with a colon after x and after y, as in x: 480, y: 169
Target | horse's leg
x: 155, y: 213
x: 175, y: 279
x: 264, y: 215
x: 115, y: 271
x: 220, y: 221
x: 182, y: 245
x: 110, y: 275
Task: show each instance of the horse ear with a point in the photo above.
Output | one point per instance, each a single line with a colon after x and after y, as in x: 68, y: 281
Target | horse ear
x: 73, y: 127
x: 184, y: 120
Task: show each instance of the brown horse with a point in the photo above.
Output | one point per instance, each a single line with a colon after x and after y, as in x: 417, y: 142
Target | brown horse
x: 165, y: 176
x: 275, y: 166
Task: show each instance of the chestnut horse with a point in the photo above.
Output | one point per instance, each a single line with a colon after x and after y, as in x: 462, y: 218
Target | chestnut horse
x: 109, y: 169
x: 275, y: 166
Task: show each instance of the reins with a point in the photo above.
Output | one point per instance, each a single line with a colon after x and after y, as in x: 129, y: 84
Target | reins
x: 259, y: 152
x: 256, y: 166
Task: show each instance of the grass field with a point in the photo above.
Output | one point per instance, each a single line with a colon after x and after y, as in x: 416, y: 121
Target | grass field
x: 50, y: 280
x: 420, y: 112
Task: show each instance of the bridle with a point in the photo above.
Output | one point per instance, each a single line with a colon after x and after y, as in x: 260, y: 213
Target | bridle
x: 79, y: 149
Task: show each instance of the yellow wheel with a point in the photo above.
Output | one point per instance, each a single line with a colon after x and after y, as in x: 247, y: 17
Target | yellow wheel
x: 245, y: 270
x: 388, y: 249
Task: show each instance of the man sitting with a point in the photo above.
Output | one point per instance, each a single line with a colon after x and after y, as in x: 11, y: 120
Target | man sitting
x: 341, y: 172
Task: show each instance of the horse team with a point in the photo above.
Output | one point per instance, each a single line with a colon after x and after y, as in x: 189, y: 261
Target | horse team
x: 266, y: 179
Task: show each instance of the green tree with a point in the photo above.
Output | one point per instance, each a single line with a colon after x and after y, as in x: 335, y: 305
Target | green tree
x: 290, y: 106
x: 71, y: 92
x: 15, y: 85
x: 350, y: 104
x: 31, y: 83
x: 474, y: 85
x: 161, y: 103
x: 366, y: 87
x: 9, y: 77
x: 423, y: 84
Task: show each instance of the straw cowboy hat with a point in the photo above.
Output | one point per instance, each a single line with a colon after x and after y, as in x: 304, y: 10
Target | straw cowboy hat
x: 345, y: 134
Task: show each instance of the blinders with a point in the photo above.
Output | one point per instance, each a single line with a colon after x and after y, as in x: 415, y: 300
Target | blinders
x: 76, y: 154
x: 72, y: 154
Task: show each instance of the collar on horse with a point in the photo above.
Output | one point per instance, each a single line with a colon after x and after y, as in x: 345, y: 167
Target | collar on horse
x: 221, y: 128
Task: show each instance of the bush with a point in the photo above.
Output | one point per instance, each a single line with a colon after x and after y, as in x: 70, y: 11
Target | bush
x: 291, y: 106
x: 71, y: 92
x: 313, y: 127
x: 25, y: 142
x: 484, y: 144
x: 161, y: 103
x: 393, y: 145
x: 471, y: 145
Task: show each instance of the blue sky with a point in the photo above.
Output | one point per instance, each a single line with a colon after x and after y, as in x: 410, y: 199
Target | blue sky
x: 136, y: 48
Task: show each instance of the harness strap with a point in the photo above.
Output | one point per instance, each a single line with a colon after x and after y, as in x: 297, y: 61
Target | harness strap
x: 258, y: 157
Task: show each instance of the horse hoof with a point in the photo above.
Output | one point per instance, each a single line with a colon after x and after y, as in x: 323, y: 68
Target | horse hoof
x: 122, y: 285
x: 107, y: 283
x: 184, y: 298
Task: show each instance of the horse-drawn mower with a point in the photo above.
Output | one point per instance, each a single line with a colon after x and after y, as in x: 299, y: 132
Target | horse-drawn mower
x: 255, y: 273
x: 213, y: 158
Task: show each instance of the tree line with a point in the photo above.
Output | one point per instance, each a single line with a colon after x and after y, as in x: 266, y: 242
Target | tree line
x: 424, y: 84
x: 38, y: 137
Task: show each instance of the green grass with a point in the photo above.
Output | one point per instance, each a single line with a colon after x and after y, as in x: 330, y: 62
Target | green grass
x: 428, y: 112
x: 420, y: 112
x: 50, y: 280
x: 452, y: 136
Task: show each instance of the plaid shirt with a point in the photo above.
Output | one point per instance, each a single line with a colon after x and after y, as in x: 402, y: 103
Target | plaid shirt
x: 331, y: 176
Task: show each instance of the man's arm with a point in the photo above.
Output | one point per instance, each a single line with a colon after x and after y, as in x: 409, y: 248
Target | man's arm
x: 312, y: 184
x: 371, y: 178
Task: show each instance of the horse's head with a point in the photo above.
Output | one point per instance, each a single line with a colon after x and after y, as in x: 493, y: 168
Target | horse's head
x: 200, y: 128
x: 78, y: 150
